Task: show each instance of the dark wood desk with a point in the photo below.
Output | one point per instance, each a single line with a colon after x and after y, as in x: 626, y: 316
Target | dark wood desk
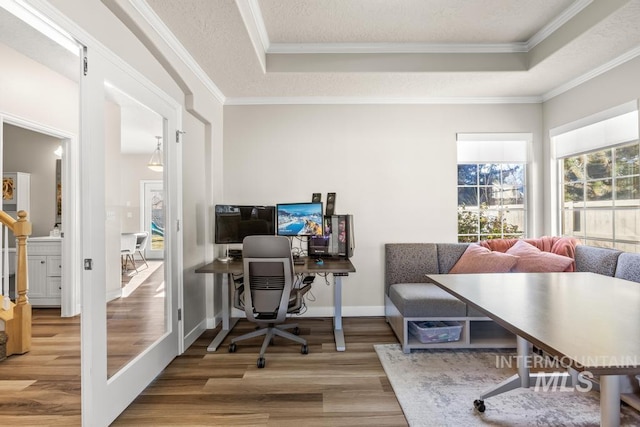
x: 336, y: 267
x: 586, y: 320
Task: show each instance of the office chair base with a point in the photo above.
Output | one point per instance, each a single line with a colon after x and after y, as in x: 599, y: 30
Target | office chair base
x: 270, y: 332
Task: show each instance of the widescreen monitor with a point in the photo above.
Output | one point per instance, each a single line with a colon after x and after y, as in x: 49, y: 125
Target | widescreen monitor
x: 235, y: 222
x: 299, y: 219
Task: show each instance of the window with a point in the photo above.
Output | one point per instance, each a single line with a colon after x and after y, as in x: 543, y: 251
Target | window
x: 492, y: 186
x: 599, y: 178
x: 491, y: 201
x: 601, y: 197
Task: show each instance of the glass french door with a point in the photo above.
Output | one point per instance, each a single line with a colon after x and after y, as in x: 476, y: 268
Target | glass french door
x: 122, y: 353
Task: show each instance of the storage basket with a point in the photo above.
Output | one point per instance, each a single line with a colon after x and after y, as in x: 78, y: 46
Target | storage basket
x: 435, y: 331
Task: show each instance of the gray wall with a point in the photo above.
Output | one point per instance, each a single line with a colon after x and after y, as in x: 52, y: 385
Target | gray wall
x: 33, y: 153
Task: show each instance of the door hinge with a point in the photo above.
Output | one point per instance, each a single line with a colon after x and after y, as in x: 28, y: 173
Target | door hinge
x: 88, y: 264
x: 85, y: 65
x: 179, y: 314
x: 178, y: 134
x: 178, y: 225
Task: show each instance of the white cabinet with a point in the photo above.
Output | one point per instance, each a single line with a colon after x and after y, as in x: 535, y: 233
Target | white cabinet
x: 44, y: 262
x: 15, y: 192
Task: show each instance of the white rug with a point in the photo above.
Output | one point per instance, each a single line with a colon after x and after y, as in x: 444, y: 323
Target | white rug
x: 438, y: 387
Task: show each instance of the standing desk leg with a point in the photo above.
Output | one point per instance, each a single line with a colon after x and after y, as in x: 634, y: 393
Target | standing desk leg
x: 610, y: 400
x: 227, y: 322
x: 338, y: 333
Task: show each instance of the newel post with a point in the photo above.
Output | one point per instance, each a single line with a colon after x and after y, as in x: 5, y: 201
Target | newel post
x: 20, y: 325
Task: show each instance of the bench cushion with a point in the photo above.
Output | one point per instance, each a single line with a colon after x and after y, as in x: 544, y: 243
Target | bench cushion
x: 597, y: 260
x: 409, y: 263
x: 425, y: 300
x: 628, y: 267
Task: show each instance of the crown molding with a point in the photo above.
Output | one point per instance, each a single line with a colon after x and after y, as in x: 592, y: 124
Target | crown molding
x: 253, y: 22
x: 575, y: 8
x: 167, y: 36
x: 293, y: 48
x: 346, y: 100
x: 608, y: 66
x: 258, y: 33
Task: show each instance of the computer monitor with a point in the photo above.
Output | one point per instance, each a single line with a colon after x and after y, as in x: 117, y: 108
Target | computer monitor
x: 235, y: 222
x: 299, y: 219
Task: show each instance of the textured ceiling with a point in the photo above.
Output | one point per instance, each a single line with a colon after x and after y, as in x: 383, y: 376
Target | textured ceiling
x: 407, y: 21
x: 334, y: 50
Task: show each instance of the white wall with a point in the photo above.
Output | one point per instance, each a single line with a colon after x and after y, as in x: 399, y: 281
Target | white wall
x: 134, y: 169
x: 392, y: 166
x: 611, y: 89
x: 34, y: 92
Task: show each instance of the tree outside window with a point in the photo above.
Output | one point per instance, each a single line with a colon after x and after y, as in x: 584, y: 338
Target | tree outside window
x: 491, y: 201
x: 601, y: 197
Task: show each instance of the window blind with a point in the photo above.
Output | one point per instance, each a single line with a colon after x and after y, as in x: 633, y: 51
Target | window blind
x: 606, y: 129
x: 492, y: 148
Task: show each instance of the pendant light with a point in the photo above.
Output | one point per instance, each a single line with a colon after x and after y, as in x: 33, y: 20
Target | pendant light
x: 155, y: 163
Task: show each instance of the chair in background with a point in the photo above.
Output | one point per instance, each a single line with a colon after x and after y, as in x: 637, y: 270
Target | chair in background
x: 127, y: 249
x: 268, y: 294
x: 141, y: 244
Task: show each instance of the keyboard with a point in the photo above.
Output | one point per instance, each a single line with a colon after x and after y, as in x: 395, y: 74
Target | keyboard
x: 298, y: 261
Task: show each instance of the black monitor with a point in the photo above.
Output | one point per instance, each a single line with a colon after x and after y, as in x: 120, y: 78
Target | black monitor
x: 299, y: 219
x: 235, y: 222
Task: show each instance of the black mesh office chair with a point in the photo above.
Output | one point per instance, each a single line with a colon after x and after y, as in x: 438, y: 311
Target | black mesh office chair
x: 268, y: 291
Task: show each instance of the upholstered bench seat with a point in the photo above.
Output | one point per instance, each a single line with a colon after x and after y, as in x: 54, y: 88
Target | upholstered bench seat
x: 425, y: 300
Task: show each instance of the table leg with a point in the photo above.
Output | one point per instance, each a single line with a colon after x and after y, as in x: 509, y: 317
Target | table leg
x: 609, y: 400
x: 227, y: 322
x: 338, y: 333
x: 524, y: 378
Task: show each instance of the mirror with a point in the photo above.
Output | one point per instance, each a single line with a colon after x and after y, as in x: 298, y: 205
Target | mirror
x: 136, y: 301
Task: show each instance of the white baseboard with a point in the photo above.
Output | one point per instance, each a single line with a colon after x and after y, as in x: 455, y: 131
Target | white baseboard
x: 193, y: 334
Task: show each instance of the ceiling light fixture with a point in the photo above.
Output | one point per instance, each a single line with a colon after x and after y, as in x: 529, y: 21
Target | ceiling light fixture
x: 155, y: 163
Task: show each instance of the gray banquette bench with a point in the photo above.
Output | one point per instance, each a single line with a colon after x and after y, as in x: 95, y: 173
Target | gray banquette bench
x: 410, y: 298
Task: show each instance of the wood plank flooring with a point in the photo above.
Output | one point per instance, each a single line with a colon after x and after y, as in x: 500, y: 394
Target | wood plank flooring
x: 322, y: 388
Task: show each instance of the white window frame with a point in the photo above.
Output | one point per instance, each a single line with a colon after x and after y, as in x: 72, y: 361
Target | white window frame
x: 614, y: 127
x: 498, y: 148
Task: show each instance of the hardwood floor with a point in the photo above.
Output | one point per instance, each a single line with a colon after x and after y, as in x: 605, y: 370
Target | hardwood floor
x: 322, y: 388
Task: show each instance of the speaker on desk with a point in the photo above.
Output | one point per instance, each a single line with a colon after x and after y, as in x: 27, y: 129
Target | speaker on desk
x: 331, y: 204
x: 316, y: 198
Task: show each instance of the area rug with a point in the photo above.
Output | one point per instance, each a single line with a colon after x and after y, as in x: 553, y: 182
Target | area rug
x: 438, y: 387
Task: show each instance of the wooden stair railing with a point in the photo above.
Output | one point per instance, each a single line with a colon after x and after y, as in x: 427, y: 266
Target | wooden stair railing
x: 18, y: 329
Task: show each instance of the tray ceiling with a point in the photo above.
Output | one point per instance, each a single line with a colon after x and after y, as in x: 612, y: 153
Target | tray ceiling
x: 308, y: 51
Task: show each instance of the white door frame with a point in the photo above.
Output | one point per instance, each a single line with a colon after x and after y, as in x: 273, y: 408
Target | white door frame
x: 71, y: 268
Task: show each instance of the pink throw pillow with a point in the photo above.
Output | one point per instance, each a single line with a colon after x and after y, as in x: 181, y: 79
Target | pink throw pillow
x: 532, y: 259
x: 477, y: 259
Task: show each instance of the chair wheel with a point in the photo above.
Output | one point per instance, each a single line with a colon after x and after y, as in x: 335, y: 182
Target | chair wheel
x: 261, y: 362
x: 479, y: 405
x: 304, y: 349
x: 296, y: 331
x: 232, y: 347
